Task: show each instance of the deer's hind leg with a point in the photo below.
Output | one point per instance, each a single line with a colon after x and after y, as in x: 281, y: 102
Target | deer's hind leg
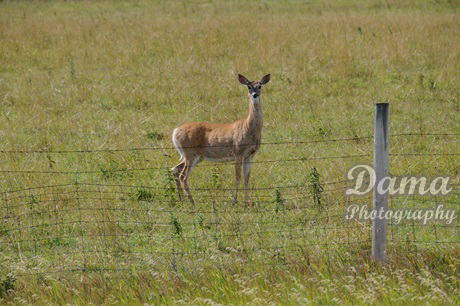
x: 189, y: 165
x: 177, y: 172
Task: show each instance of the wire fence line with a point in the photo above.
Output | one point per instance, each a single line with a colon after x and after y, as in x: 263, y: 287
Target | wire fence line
x: 84, y: 226
x: 199, y: 165
x: 300, y: 159
x: 186, y: 147
x: 290, y: 142
x: 127, y: 186
x: 211, y: 165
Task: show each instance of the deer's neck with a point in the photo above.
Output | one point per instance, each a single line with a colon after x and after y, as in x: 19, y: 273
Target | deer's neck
x: 255, y: 119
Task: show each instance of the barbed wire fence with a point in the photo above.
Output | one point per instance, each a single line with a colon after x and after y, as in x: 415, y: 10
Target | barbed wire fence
x: 88, y: 226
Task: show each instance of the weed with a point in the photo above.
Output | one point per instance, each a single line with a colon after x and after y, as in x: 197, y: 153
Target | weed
x: 144, y: 195
x: 155, y: 136
x: 169, y: 189
x: 421, y: 79
x: 202, y: 224
x: 316, y: 188
x: 112, y: 170
x: 51, y: 161
x: 33, y: 203
x: 4, y: 227
x: 432, y: 84
x: 279, y: 201
x: 7, y: 284
x: 216, y: 181
x: 176, y: 227
x: 72, y: 69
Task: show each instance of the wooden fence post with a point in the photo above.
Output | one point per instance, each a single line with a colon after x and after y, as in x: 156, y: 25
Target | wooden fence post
x: 379, y: 225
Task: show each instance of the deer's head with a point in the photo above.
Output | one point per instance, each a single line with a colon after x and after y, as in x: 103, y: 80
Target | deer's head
x: 254, y: 88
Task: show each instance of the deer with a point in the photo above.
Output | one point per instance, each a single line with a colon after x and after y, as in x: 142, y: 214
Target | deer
x: 221, y: 142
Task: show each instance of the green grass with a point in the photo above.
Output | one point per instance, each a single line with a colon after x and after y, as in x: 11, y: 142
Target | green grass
x: 101, y: 76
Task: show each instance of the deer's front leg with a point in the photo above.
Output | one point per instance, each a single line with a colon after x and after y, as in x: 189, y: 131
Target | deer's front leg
x: 247, y: 173
x: 238, y: 165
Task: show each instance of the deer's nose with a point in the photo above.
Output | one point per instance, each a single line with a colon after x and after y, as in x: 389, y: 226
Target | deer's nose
x: 254, y: 95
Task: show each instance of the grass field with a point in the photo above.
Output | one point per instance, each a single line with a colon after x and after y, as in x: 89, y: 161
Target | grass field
x: 91, y: 91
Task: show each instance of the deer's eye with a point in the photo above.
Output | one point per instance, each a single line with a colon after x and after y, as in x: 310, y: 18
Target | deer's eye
x: 259, y: 87
x: 249, y: 87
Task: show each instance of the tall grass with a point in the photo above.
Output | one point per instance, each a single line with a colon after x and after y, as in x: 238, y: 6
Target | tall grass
x: 122, y: 75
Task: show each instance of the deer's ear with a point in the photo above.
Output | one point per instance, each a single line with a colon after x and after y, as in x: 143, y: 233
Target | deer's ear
x: 243, y: 79
x: 265, y: 79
